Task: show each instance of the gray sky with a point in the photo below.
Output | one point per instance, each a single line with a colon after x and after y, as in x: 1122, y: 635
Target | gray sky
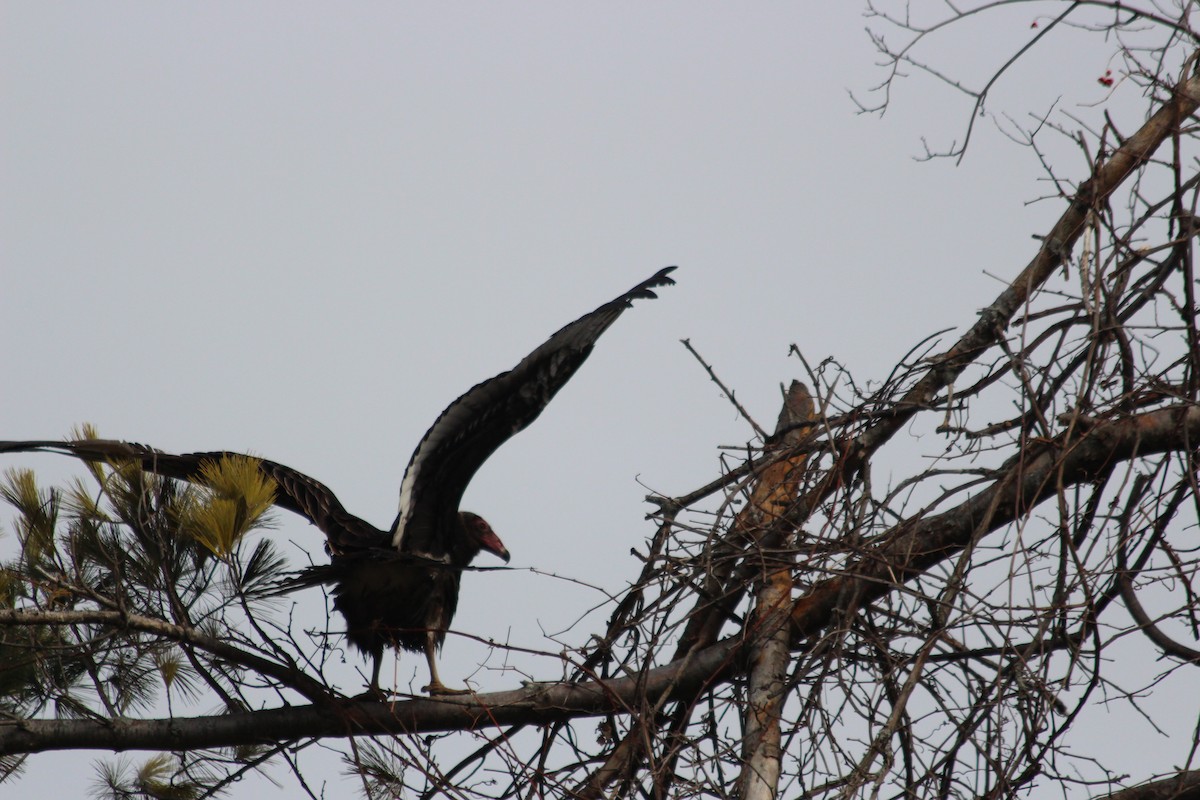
x: 300, y: 232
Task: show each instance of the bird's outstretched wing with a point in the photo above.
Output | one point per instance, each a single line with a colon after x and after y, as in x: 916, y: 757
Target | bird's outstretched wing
x: 295, y: 491
x: 482, y: 419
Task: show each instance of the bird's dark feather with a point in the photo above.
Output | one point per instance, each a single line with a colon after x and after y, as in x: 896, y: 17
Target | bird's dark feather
x: 295, y: 491
x: 487, y: 415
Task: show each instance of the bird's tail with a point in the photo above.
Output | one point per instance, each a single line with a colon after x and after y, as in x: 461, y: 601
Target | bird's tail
x: 316, y: 575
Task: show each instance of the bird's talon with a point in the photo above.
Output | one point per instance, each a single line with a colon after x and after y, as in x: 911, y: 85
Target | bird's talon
x: 435, y: 689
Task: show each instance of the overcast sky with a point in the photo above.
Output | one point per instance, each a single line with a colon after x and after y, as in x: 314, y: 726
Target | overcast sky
x: 299, y: 230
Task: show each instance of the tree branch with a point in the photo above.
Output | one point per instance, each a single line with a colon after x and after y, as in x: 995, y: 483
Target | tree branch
x: 289, y: 676
x: 908, y: 549
x: 1081, y: 454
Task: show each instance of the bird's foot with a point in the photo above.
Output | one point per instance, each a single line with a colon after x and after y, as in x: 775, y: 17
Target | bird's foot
x: 439, y: 688
x: 372, y: 693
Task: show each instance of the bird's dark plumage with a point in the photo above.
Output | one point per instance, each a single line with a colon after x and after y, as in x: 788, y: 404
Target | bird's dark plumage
x: 400, y: 587
x: 485, y: 416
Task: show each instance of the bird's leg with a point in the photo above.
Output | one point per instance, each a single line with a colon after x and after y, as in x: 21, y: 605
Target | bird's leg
x: 377, y: 662
x: 435, y: 683
x: 373, y: 692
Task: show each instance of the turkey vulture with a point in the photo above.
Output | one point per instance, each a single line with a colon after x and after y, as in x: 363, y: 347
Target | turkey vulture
x: 399, y: 587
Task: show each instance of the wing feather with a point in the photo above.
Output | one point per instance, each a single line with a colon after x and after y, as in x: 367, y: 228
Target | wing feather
x: 478, y: 422
x: 296, y: 492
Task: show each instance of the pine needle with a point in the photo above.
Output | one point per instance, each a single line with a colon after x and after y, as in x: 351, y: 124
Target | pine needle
x: 235, y: 496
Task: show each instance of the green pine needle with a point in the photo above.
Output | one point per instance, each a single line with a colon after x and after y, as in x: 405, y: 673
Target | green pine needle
x: 38, y: 512
x: 236, y: 495
x: 84, y: 432
x: 159, y: 778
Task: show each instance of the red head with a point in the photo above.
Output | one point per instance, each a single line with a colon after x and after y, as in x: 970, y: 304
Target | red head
x: 483, y: 535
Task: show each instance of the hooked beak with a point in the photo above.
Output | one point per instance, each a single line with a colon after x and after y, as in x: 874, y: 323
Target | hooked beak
x: 498, y: 549
x: 489, y: 541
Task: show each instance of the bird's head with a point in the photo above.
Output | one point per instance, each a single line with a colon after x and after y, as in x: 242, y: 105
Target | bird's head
x: 482, y: 535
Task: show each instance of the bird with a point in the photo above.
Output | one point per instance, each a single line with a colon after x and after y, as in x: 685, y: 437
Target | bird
x: 399, y: 587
